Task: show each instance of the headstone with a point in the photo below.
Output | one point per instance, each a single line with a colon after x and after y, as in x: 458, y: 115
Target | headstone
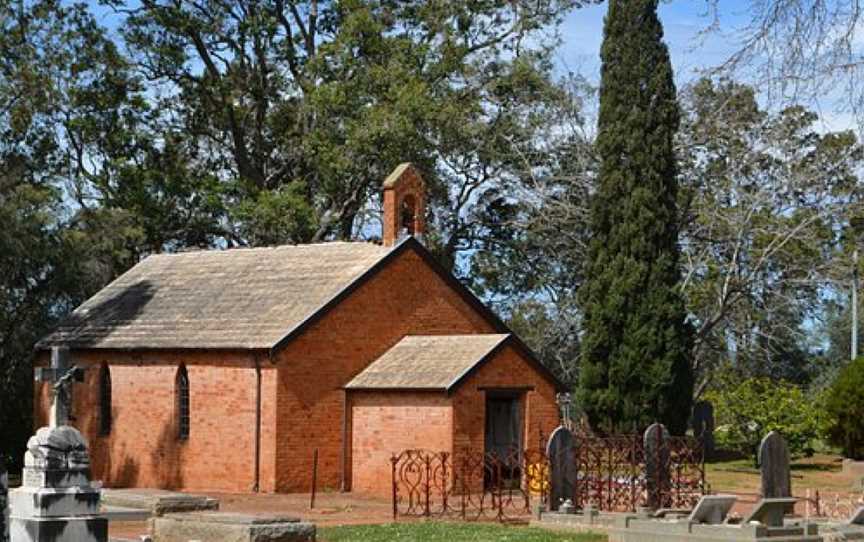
x: 703, y: 426
x: 857, y: 517
x: 56, y: 501
x: 562, y: 466
x: 774, y: 464
x: 4, y: 492
x: 656, y: 446
x: 770, y: 512
x: 712, y: 509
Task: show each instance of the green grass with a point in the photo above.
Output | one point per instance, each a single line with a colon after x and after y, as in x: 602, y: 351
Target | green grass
x: 822, y: 471
x: 434, y: 531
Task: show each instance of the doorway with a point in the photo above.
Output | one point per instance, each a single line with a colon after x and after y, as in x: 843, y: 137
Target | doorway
x: 503, y: 442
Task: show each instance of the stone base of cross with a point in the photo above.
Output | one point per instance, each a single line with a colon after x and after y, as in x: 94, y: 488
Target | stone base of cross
x: 60, y: 374
x: 57, y: 501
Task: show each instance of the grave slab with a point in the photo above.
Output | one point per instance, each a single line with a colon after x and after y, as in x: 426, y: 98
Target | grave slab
x: 229, y: 527
x: 157, y: 501
x: 636, y: 527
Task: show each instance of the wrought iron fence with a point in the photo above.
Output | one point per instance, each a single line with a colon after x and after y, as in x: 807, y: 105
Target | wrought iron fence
x: 611, y: 473
x: 469, y: 485
x: 831, y: 505
x: 619, y: 473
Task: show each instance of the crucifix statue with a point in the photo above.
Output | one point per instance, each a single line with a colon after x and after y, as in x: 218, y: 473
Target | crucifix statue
x: 60, y: 374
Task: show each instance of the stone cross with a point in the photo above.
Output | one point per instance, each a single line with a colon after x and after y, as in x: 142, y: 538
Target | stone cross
x: 562, y: 466
x: 60, y: 374
x: 656, y: 445
x: 774, y: 463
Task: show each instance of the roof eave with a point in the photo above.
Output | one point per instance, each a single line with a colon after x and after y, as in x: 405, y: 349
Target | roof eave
x: 425, y: 389
x: 466, y: 374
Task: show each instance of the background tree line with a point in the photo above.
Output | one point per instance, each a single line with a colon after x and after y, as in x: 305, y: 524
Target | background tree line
x: 129, y: 128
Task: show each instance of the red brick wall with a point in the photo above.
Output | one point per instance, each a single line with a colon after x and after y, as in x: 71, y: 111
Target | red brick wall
x: 507, y: 369
x: 406, y: 297
x: 143, y: 450
x: 384, y: 423
x: 303, y: 404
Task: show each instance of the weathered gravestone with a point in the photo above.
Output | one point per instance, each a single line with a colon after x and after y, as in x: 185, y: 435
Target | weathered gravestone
x: 4, y: 491
x: 655, y: 443
x: 562, y: 466
x: 773, y: 460
x: 703, y: 426
x: 56, y: 501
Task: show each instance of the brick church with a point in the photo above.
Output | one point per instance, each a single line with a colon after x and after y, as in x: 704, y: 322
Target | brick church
x: 225, y: 370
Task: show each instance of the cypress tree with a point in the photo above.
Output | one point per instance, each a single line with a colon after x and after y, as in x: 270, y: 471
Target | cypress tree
x: 635, y: 351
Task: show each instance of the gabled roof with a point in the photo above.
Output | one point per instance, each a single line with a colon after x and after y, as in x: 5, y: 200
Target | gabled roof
x: 428, y: 362
x: 239, y: 298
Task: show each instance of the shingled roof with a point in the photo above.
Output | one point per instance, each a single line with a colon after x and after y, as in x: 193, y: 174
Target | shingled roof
x: 241, y: 298
x: 428, y: 362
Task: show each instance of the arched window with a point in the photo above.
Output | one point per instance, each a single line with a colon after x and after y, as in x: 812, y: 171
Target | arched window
x: 407, y: 214
x: 105, y: 400
x: 182, y: 391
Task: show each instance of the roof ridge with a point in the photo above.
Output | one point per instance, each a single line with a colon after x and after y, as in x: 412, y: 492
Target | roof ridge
x: 234, y: 250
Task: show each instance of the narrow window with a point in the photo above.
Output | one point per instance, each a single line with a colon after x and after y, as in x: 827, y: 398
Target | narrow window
x: 182, y: 403
x: 105, y: 400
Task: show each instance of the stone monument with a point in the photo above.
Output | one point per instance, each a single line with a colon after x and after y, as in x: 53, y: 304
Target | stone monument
x: 774, y: 464
x: 656, y: 445
x: 562, y: 466
x: 56, y: 501
x: 4, y: 492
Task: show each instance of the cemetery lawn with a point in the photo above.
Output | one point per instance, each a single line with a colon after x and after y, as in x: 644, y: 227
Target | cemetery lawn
x: 435, y: 531
x: 822, y: 471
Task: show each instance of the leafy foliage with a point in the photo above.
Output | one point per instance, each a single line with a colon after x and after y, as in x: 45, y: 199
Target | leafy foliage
x: 635, y: 367
x: 844, y: 408
x: 218, y: 124
x: 747, y: 410
x: 766, y: 198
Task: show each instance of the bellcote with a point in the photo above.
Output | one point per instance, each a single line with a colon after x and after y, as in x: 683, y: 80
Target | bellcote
x: 404, y: 204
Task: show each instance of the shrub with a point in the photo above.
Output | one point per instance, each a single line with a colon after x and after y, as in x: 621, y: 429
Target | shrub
x: 747, y: 410
x: 844, y: 407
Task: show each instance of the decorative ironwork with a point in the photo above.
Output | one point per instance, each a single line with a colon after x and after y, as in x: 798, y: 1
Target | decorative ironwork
x: 611, y: 475
x: 834, y: 506
x: 469, y: 485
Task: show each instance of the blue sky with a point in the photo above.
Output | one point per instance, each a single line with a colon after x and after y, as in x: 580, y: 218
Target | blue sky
x: 683, y: 22
x: 692, y: 51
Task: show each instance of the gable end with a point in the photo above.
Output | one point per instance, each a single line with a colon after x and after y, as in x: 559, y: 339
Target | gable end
x: 410, y: 243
